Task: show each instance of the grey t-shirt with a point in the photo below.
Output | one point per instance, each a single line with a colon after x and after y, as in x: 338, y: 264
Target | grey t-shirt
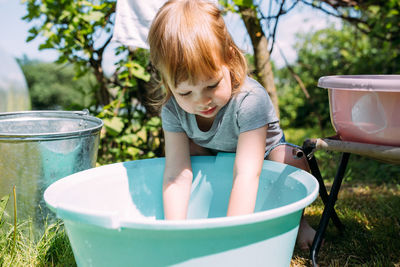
x: 249, y: 109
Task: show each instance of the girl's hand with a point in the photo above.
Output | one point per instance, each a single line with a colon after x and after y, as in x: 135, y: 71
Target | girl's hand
x: 178, y: 176
x: 247, y: 169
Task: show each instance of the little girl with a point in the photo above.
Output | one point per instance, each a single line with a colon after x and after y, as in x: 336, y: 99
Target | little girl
x: 211, y: 105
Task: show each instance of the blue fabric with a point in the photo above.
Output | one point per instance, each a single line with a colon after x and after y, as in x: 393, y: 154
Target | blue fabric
x: 280, y: 143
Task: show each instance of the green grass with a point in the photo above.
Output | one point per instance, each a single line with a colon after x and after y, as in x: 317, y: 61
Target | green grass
x: 21, y: 245
x: 52, y: 249
x: 371, y: 215
x: 368, y: 205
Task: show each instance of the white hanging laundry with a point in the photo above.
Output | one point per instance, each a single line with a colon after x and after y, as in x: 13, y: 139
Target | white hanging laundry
x: 133, y: 19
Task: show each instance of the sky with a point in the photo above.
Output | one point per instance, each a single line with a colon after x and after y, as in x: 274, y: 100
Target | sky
x: 14, y: 31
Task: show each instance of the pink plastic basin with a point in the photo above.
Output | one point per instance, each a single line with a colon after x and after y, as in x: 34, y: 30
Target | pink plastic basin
x: 365, y: 108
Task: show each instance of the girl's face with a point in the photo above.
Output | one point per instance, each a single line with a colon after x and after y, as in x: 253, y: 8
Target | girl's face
x: 206, y: 97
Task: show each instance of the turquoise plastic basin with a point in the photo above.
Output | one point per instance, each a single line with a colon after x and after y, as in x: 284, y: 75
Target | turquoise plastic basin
x: 114, y: 215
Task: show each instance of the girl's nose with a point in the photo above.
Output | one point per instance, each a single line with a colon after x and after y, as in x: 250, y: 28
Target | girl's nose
x: 204, y: 100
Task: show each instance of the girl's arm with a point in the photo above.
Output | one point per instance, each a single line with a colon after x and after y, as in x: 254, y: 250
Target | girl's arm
x: 177, y: 176
x: 247, y: 169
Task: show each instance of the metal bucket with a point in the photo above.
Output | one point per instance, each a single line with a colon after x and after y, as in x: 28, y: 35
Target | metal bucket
x: 39, y: 147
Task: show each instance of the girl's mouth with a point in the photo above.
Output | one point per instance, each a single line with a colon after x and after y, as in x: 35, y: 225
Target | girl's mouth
x: 208, y: 111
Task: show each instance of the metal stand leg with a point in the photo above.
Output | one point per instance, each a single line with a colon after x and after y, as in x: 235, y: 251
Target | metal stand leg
x: 312, y: 162
x: 329, y: 208
x: 308, y: 148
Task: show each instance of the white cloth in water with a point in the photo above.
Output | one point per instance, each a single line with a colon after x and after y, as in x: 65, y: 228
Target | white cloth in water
x: 133, y: 20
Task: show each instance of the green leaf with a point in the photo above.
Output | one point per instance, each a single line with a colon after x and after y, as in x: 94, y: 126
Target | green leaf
x: 138, y: 71
x: 154, y: 122
x: 244, y: 3
x: 392, y: 13
x: 129, y: 138
x: 114, y: 126
x: 43, y: 9
x: 133, y: 151
x: 30, y: 38
x: 47, y: 34
x: 142, y: 134
x: 93, y: 16
x: 33, y: 31
x: 45, y: 46
x: 374, y: 9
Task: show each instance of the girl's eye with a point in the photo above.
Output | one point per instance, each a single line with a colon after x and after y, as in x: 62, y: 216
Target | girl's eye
x: 214, y: 85
x: 184, y: 94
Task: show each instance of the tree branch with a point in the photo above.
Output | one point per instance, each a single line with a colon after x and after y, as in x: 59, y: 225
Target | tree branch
x: 337, y: 4
x: 276, y: 26
x: 295, y: 76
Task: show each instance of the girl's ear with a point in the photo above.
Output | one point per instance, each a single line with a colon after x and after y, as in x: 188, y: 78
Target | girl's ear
x: 231, y: 52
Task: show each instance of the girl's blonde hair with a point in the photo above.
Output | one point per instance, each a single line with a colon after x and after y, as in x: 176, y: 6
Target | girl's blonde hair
x: 188, y: 41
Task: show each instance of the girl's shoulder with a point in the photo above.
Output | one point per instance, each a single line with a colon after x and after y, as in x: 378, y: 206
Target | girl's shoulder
x: 171, y: 108
x: 251, y: 88
x: 170, y: 104
x: 252, y: 98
